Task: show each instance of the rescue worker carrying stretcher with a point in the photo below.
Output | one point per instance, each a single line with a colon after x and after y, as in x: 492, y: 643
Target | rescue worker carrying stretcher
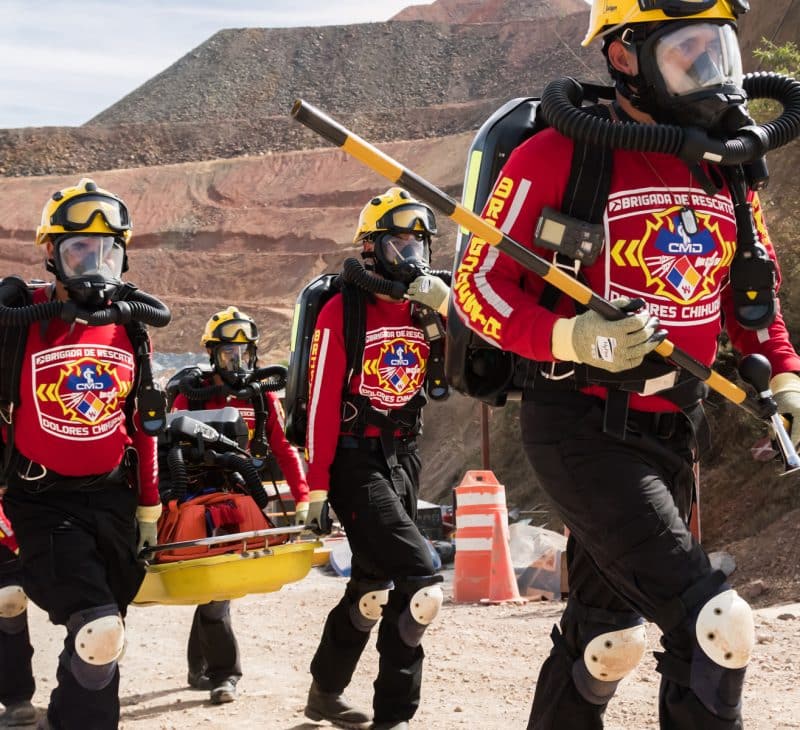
x: 610, y: 432
x: 81, y: 463
x: 363, y: 426
x: 231, y: 340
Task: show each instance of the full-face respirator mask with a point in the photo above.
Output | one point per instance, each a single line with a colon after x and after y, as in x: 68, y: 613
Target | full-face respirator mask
x: 90, y: 266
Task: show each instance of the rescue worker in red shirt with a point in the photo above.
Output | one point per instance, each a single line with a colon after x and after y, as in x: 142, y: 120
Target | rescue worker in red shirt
x: 231, y: 340
x: 16, y: 674
x: 624, y: 486
x: 82, y: 471
x: 368, y: 466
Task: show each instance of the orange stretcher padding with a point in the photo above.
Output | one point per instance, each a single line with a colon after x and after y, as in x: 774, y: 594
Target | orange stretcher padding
x: 187, y: 521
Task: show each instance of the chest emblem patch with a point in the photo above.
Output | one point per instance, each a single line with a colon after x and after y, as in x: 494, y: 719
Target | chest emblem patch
x: 393, y: 369
x: 80, y: 391
x: 678, y: 265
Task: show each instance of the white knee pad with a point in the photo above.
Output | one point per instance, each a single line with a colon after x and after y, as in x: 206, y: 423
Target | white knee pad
x: 423, y: 607
x: 371, y: 604
x: 13, y: 601
x: 725, y: 630
x: 101, y: 641
x: 610, y: 656
x: 425, y: 604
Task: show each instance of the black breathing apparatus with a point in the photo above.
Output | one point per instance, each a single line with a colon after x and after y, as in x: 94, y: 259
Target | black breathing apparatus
x: 753, y: 275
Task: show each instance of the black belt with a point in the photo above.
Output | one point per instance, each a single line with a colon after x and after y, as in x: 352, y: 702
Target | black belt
x: 34, y: 477
x: 661, y: 425
x: 402, y: 445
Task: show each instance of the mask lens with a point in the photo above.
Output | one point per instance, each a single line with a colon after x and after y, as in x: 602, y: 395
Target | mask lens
x: 79, y: 212
x: 235, y: 357
x: 90, y: 255
x: 396, y: 250
x: 698, y: 56
x: 232, y: 329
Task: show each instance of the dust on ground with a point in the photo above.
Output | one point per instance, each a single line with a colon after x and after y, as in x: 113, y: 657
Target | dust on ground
x: 480, y: 669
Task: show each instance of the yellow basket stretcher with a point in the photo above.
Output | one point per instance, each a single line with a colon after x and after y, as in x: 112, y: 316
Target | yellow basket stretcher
x: 231, y: 575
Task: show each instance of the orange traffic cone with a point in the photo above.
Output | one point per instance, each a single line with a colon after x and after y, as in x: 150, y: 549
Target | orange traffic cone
x: 502, y: 581
x: 478, y: 498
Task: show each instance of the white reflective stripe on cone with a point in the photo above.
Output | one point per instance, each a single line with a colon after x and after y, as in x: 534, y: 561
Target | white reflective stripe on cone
x: 474, y: 521
x: 473, y: 543
x: 469, y: 499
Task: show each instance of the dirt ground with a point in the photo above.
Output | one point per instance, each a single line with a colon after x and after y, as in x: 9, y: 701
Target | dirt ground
x: 480, y: 669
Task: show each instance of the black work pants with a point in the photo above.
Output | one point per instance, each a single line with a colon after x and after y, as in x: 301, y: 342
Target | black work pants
x: 16, y: 652
x: 78, y: 550
x: 626, y: 503
x: 377, y: 511
x: 213, y: 649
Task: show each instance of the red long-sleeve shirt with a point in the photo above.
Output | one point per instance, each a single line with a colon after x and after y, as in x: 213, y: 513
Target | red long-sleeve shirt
x: 74, y: 384
x: 682, y: 277
x: 287, y: 457
x: 393, y: 370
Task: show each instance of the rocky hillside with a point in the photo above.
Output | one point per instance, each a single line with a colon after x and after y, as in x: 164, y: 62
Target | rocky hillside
x: 231, y: 95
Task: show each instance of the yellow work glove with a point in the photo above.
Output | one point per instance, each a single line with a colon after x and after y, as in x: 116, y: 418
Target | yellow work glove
x: 318, y: 519
x: 301, y: 513
x: 785, y: 389
x: 613, y: 345
x: 430, y: 291
x: 147, y: 521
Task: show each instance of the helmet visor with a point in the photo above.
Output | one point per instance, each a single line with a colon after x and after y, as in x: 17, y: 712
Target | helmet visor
x: 235, y: 357
x: 699, y: 56
x: 78, y: 213
x: 237, y: 329
x: 411, y: 217
x: 677, y: 8
x: 90, y: 255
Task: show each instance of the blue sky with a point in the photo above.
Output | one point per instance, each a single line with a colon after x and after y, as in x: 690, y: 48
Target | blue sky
x: 64, y: 61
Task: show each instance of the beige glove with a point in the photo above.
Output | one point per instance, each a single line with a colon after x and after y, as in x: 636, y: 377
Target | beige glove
x: 430, y: 291
x: 785, y: 388
x: 318, y: 520
x: 147, y: 520
x: 301, y: 513
x: 611, y: 345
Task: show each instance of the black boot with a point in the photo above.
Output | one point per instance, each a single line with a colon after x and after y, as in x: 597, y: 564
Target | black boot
x: 198, y: 679
x: 333, y: 707
x: 390, y: 725
x: 18, y: 714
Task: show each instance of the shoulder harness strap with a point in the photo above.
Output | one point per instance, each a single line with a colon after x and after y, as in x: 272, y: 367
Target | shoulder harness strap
x: 586, y: 194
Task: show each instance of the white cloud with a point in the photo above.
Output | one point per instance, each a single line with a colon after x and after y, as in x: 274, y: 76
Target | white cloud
x: 66, y: 61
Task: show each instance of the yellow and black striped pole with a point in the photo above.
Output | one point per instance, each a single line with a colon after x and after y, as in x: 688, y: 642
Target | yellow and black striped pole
x: 393, y: 171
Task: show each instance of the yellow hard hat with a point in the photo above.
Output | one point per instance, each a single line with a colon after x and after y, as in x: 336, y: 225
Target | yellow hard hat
x: 395, y: 210
x: 84, y: 208
x: 229, y: 325
x: 608, y: 15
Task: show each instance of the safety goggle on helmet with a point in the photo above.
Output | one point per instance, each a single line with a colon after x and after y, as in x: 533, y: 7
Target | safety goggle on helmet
x: 84, y: 208
x: 230, y: 325
x: 607, y: 17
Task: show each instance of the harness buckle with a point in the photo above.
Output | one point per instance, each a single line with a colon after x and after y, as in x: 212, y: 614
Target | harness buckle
x: 7, y: 413
x: 553, y: 375
x: 26, y: 476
